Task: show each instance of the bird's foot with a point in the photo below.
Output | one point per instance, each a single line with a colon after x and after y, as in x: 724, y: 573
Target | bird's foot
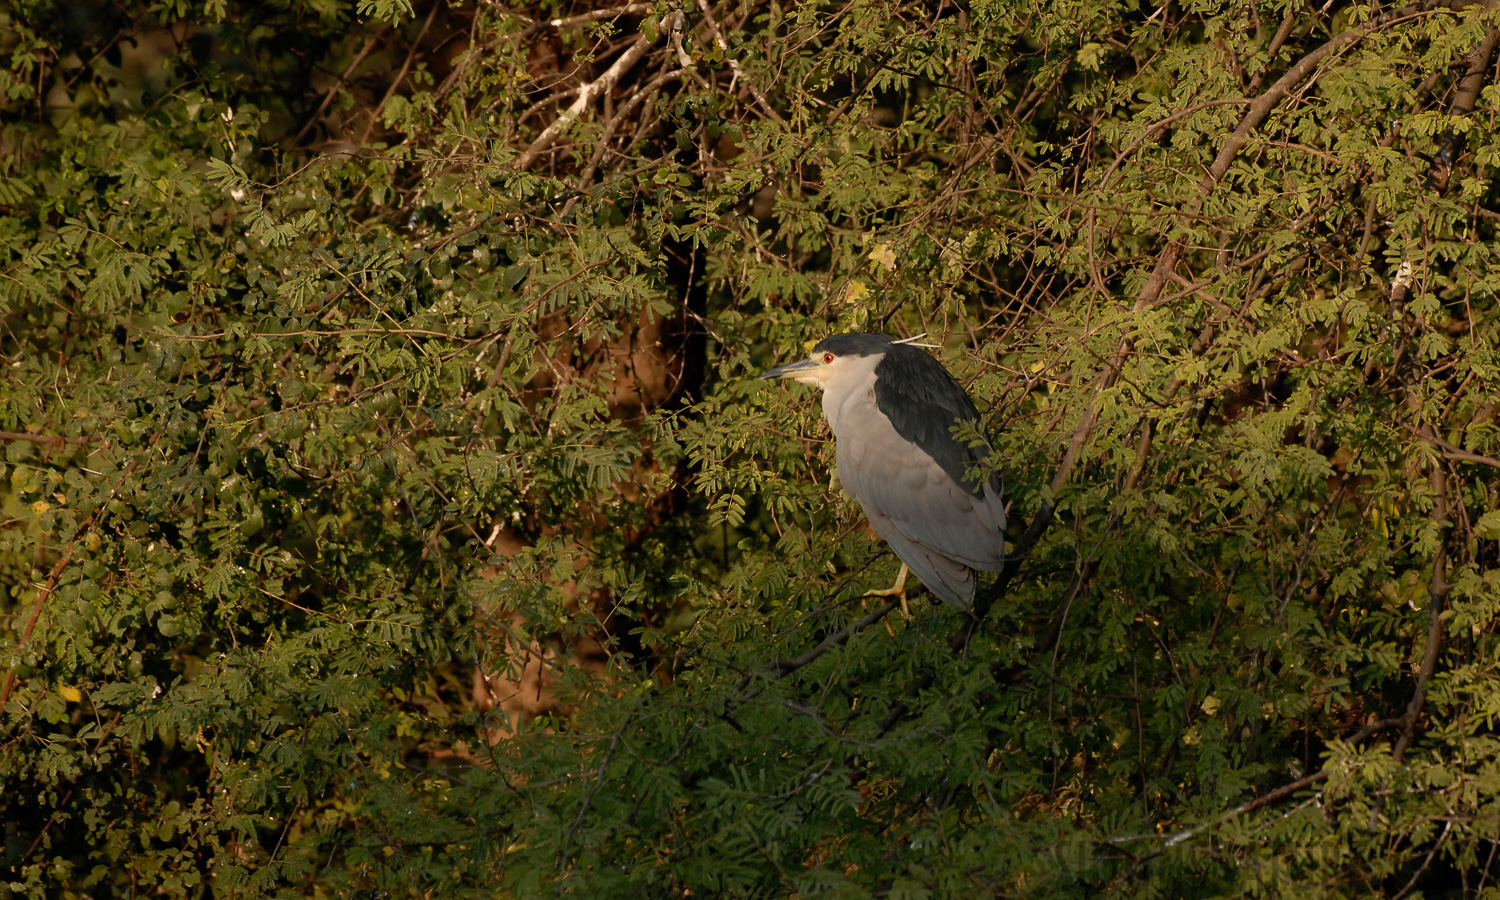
x: 897, y: 590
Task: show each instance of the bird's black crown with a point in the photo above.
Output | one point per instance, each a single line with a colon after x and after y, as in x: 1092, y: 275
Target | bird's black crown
x: 855, y: 343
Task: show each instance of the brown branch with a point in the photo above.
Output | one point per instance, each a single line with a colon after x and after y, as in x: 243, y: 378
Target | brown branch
x: 333, y: 91
x: 1447, y: 827
x: 782, y: 668
x: 56, y: 440
x: 586, y: 96
x: 1156, y: 127
x: 622, y: 112
x: 786, y: 667
x: 1463, y: 102
x: 1437, y: 592
x: 52, y: 816
x: 565, y: 858
x: 1423, y: 90
x: 959, y: 642
x: 47, y: 825
x: 1285, y: 790
x: 1457, y: 454
x: 1305, y: 70
x: 309, y: 332
x: 1269, y: 797
x: 1282, y: 34
x: 57, y: 571
x: 401, y: 75
x: 734, y: 65
x: 613, y: 12
x: 760, y: 98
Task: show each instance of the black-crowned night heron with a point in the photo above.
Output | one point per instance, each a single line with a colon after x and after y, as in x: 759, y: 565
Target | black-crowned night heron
x: 894, y: 411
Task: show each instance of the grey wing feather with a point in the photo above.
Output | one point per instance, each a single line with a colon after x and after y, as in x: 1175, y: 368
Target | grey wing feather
x: 951, y: 582
x: 935, y: 525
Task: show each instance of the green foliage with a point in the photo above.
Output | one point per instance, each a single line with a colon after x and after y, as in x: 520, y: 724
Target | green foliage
x: 390, y: 509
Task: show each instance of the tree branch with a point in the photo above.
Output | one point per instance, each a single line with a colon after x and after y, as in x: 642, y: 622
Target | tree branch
x: 1261, y: 107
x: 401, y: 75
x: 1267, y: 798
x: 786, y: 667
x: 342, y: 79
x: 56, y: 574
x: 56, y: 440
x: 585, y: 99
x: 613, y: 12
x: 1437, y: 592
x: 621, y: 113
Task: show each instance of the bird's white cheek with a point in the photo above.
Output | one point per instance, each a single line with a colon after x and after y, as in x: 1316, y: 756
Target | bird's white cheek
x: 813, y: 380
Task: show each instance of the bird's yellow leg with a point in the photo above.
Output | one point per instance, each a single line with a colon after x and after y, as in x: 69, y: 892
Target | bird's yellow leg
x: 897, y: 590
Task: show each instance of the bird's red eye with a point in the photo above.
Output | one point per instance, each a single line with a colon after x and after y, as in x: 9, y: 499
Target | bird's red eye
x: 827, y: 358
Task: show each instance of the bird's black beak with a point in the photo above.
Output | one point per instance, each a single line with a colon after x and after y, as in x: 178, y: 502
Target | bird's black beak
x: 790, y: 370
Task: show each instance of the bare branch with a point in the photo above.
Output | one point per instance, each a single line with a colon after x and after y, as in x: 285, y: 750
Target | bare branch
x: 585, y: 99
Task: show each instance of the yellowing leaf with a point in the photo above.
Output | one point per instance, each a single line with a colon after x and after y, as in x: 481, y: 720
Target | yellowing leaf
x: 40, y: 507
x: 69, y: 693
x: 884, y: 256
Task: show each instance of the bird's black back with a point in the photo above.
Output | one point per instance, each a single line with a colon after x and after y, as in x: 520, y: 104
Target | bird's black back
x: 924, y: 402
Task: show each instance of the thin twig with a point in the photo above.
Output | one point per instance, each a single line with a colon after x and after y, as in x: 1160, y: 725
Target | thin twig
x: 838, y: 638
x: 586, y: 96
x: 613, y: 12
x: 401, y: 75
x: 56, y: 440
x: 1447, y: 827
x: 982, y: 605
x: 342, y: 79
x: 1437, y: 591
x: 621, y: 113
x: 57, y: 571
x: 1456, y: 454
x: 588, y: 801
x: 1270, y: 797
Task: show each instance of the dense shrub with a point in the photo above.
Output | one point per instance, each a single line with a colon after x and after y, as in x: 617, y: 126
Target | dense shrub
x: 390, y: 508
